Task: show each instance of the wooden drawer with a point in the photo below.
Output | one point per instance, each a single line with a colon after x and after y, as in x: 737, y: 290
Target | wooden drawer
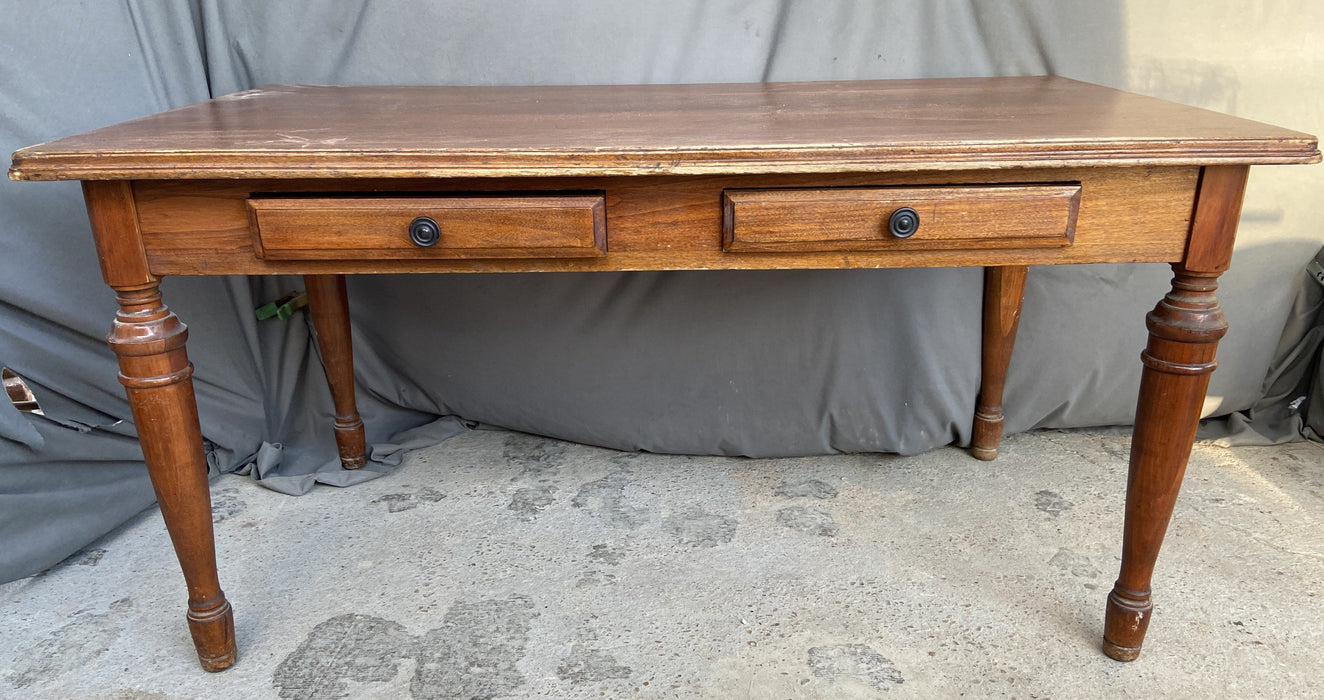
x: 857, y: 219
x: 473, y: 227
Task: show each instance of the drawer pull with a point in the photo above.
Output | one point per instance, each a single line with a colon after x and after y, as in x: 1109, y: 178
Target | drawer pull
x: 424, y: 232
x: 903, y: 223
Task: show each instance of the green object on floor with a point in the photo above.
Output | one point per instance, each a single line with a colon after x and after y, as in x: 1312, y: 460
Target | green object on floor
x: 283, y: 307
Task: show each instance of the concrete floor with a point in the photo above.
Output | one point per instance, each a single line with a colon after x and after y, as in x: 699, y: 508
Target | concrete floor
x: 502, y: 565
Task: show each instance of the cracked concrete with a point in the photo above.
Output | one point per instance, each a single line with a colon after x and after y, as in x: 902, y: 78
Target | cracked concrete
x: 499, y: 565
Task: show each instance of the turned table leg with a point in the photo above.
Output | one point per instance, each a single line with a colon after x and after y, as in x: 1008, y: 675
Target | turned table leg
x: 157, y: 376
x: 149, y: 341
x: 328, y: 304
x: 1004, y: 291
x: 1184, y: 330
x: 1183, y: 334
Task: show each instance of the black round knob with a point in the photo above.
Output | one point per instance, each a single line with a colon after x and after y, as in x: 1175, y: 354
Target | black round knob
x: 424, y: 232
x: 904, y: 222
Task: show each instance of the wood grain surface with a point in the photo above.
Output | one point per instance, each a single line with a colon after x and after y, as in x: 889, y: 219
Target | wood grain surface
x: 1217, y: 213
x: 114, y: 219
x: 856, y: 218
x: 855, y: 126
x: 377, y: 228
x: 672, y: 223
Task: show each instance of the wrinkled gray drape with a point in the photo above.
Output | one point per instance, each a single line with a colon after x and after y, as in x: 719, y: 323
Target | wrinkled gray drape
x: 742, y: 363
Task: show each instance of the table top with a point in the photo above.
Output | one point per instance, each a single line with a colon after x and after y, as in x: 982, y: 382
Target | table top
x: 844, y: 126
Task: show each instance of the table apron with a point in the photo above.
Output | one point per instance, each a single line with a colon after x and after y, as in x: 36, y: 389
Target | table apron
x: 1126, y: 214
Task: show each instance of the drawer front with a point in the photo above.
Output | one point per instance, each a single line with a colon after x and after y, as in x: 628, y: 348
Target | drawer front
x: 858, y: 219
x: 470, y: 227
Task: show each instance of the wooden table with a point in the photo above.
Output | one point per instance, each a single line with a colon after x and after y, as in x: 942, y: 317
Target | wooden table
x: 1000, y: 173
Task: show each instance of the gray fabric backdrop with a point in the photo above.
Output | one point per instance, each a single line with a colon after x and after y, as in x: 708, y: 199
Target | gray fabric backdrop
x: 739, y: 363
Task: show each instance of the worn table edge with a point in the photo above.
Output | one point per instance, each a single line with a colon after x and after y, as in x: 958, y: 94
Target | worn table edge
x: 33, y: 165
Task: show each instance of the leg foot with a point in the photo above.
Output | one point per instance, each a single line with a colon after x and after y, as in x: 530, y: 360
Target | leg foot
x: 213, y: 636
x: 993, y: 425
x: 1004, y: 291
x: 1125, y: 622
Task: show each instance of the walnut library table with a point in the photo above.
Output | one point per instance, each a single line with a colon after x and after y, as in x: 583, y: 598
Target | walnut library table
x: 1000, y: 173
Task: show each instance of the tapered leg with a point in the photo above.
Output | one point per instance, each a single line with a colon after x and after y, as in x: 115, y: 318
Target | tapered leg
x: 1183, y: 335
x: 1184, y: 330
x: 156, y: 374
x: 1004, y: 291
x: 328, y: 304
